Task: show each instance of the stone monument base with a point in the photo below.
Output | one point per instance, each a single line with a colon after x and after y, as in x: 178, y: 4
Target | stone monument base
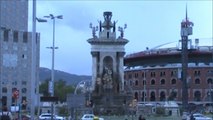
x: 111, y: 103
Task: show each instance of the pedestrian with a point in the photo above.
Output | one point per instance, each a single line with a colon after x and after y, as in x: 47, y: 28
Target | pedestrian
x: 5, y: 114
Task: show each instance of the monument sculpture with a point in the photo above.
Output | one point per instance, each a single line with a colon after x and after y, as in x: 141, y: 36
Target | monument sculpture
x: 108, y: 96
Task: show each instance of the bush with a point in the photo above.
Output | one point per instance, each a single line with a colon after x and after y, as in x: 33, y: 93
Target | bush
x: 160, y: 111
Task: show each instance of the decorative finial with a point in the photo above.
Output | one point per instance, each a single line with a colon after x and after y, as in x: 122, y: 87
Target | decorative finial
x: 94, y: 29
x: 121, y: 29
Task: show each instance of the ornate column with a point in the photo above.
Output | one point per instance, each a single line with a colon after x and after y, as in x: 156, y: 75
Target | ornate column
x: 121, y: 70
x: 94, y: 68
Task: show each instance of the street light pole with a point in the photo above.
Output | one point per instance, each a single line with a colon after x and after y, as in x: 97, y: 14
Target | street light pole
x: 51, y: 83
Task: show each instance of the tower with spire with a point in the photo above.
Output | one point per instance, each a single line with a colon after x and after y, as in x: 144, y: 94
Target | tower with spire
x: 186, y: 30
x: 107, y: 65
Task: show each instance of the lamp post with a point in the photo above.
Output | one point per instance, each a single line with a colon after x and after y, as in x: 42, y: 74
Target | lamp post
x: 51, y: 83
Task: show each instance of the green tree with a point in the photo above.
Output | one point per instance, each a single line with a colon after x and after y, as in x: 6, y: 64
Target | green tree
x: 43, y: 88
x: 60, y: 89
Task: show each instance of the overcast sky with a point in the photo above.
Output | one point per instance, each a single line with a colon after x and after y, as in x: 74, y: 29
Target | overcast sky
x: 149, y: 24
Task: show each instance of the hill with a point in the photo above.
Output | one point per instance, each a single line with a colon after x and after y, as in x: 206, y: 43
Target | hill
x: 71, y: 79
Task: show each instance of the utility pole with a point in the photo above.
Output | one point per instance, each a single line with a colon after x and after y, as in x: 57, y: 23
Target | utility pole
x: 186, y: 30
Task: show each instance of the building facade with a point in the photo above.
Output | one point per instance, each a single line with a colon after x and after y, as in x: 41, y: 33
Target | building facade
x: 155, y: 75
x: 16, y: 54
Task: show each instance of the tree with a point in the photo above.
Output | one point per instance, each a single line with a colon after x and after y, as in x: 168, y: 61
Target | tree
x: 60, y: 89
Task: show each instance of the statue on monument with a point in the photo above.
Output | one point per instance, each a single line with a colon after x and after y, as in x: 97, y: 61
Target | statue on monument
x: 107, y: 78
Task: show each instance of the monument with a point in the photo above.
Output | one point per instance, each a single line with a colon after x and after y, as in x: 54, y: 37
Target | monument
x: 108, y: 90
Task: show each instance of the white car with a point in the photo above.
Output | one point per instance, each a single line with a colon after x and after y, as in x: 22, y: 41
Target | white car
x: 47, y: 116
x: 90, y: 117
x: 199, y: 116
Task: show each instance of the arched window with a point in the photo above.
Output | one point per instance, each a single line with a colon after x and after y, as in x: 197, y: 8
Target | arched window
x: 163, y: 81
x: 197, y: 96
x: 130, y: 82
x: 152, y: 82
x: 173, y: 81
x: 152, y: 96
x: 197, y: 81
x: 136, y: 95
x: 162, y: 96
x: 136, y: 83
x: 209, y: 81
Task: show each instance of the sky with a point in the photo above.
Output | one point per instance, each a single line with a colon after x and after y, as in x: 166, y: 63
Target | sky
x: 149, y: 24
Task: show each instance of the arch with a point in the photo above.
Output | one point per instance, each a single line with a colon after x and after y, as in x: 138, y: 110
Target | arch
x: 162, y: 96
x: 162, y: 81
x: 172, y: 95
x: 152, y: 82
x: 136, y: 83
x: 197, y: 81
x: 152, y: 96
x: 143, y: 95
x: 108, y: 62
x: 197, y: 96
x: 136, y: 95
x: 209, y: 81
x: 173, y: 81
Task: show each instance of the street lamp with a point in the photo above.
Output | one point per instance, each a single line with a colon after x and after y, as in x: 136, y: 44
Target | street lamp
x: 51, y: 83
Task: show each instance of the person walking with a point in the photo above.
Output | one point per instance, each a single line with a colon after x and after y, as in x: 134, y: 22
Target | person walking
x: 5, y: 114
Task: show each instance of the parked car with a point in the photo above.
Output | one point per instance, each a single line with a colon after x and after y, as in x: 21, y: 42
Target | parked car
x: 47, y: 116
x: 199, y: 116
x: 90, y: 117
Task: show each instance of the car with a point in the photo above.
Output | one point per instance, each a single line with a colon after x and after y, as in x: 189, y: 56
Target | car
x: 91, y: 117
x: 185, y: 116
x: 47, y: 116
x: 199, y: 116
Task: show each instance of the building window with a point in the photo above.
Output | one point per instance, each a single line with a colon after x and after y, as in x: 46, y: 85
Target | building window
x: 162, y: 73
x: 209, y: 81
x: 24, y: 82
x: 136, y: 75
x: 152, y: 74
x: 25, y: 37
x: 152, y: 96
x: 4, y: 100
x: 173, y: 81
x: 163, y: 81
x: 130, y: 76
x: 196, y: 73
x: 4, y: 90
x: 130, y: 82
x: 197, y: 96
x: 162, y: 96
x: 152, y: 82
x: 6, y: 35
x: 136, y: 83
x: 173, y: 73
x: 15, y: 36
x: 24, y: 90
x: 197, y: 81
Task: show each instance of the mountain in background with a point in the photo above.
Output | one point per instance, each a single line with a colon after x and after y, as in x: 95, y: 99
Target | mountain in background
x: 71, y: 79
